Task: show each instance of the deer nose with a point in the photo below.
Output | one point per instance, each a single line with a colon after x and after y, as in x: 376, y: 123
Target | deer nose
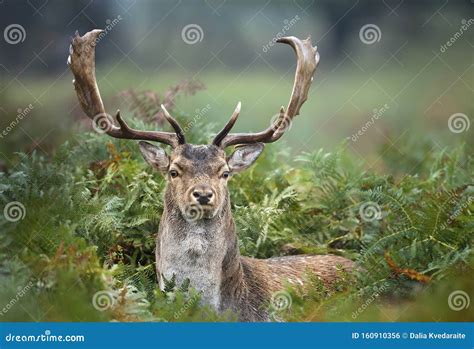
x: 203, y: 195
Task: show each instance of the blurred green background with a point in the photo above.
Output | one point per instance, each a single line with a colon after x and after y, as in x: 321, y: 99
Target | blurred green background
x: 403, y: 68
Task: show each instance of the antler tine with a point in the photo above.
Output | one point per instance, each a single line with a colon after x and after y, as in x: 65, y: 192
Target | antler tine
x: 81, y: 61
x: 220, y: 136
x: 174, y: 123
x: 307, y: 61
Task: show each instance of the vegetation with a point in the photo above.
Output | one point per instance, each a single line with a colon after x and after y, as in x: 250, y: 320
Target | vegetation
x: 82, y: 247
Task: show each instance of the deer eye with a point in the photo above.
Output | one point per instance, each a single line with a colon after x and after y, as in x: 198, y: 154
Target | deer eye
x: 226, y: 174
x: 173, y: 173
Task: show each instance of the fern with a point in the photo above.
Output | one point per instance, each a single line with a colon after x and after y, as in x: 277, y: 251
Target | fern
x: 93, y: 211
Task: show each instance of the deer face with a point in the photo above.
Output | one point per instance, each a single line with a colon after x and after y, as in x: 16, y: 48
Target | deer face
x: 197, y: 175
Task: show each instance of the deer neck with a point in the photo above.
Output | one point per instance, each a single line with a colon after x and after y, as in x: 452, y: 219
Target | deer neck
x: 203, y: 251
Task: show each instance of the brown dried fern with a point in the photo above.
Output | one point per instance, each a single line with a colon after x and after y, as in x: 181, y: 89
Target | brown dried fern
x: 146, y: 104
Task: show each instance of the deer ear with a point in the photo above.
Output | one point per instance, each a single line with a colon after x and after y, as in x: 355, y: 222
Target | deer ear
x: 244, y: 156
x: 155, y: 156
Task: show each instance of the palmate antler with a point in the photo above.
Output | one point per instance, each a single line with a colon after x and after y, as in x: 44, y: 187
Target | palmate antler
x: 307, y: 61
x: 81, y: 60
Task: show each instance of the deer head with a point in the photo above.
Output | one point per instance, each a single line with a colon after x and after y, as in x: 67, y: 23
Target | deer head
x: 197, y: 175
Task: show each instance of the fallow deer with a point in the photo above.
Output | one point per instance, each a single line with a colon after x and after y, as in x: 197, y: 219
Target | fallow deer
x: 197, y: 239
